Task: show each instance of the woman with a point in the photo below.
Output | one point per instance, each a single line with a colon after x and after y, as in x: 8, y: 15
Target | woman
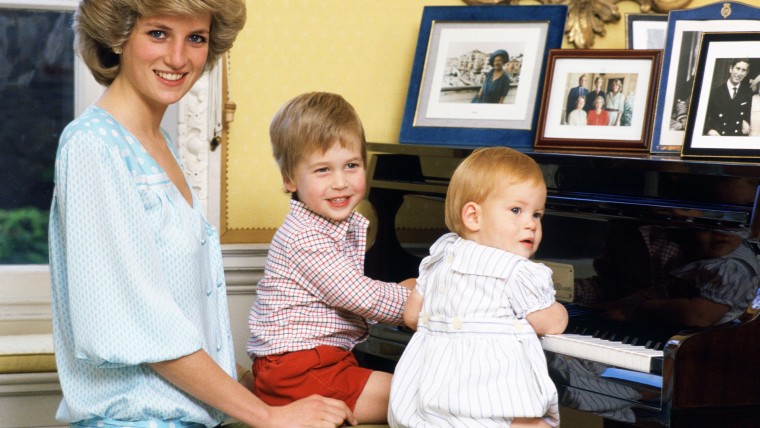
x: 140, y: 318
x: 577, y: 117
x: 598, y: 116
x: 615, y: 102
x: 496, y: 84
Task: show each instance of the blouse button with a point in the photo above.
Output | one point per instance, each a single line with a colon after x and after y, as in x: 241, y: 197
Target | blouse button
x: 450, y: 259
x: 208, y: 291
x: 457, y: 323
x: 425, y: 318
x: 219, y: 284
x: 203, y: 242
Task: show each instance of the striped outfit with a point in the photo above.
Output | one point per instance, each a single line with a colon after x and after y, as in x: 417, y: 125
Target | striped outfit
x: 475, y: 360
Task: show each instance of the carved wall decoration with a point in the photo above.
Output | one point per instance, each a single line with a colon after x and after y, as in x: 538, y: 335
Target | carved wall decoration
x: 587, y: 18
x: 192, y: 143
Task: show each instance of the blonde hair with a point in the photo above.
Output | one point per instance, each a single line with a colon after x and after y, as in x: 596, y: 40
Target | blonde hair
x: 100, y: 26
x: 481, y: 173
x: 312, y: 123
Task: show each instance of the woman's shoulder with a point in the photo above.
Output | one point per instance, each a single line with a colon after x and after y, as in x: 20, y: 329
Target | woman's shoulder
x: 94, y: 125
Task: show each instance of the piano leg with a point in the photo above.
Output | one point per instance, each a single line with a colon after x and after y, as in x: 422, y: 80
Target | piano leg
x: 386, y: 259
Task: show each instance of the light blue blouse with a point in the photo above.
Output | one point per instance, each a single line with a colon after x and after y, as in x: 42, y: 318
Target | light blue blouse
x: 137, y: 277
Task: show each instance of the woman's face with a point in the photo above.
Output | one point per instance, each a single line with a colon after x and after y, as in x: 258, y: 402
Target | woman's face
x: 598, y: 103
x: 498, y: 62
x: 164, y: 56
x: 615, y: 87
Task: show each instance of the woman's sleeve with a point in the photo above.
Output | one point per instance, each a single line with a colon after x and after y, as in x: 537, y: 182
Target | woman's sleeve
x: 334, y: 278
x: 122, y: 310
x: 532, y: 289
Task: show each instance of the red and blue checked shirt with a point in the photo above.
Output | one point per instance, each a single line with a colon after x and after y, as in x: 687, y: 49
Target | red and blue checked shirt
x: 314, y: 291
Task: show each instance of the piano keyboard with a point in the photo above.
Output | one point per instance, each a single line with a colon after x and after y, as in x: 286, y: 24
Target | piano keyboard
x: 632, y: 357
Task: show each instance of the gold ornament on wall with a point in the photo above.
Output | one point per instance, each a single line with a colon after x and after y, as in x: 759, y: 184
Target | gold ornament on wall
x: 587, y: 18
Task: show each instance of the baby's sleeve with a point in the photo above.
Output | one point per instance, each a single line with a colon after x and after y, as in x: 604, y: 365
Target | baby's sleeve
x: 532, y: 288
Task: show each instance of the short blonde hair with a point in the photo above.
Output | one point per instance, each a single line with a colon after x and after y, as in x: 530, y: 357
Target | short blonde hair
x: 312, y: 123
x: 481, y: 173
x: 102, y: 25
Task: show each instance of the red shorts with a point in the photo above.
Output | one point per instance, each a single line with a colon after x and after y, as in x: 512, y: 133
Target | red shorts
x: 325, y: 370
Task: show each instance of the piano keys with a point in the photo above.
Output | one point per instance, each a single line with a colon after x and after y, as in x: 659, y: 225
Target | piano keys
x: 618, y: 354
x: 639, y: 231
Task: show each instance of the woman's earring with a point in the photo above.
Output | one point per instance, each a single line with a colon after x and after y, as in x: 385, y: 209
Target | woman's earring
x: 117, y: 50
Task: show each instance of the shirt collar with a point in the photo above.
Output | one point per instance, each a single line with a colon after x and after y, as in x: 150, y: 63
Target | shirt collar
x: 336, y: 229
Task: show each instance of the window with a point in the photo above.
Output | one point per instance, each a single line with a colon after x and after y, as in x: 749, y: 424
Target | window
x: 37, y: 84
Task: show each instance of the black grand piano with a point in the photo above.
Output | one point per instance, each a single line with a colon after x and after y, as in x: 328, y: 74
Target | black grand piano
x: 644, y: 247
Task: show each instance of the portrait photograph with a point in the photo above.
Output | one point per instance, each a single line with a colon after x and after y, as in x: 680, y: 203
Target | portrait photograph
x: 646, y: 30
x: 482, y: 73
x: 486, y: 73
x: 685, y: 28
x: 600, y: 99
x: 477, y: 75
x: 725, y: 121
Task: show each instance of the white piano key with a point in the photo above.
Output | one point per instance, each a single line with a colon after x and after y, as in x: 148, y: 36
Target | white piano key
x: 632, y: 357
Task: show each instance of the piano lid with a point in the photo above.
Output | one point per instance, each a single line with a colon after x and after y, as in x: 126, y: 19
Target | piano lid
x: 657, y: 188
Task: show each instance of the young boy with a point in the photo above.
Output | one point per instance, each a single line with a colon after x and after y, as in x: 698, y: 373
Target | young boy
x: 314, y: 302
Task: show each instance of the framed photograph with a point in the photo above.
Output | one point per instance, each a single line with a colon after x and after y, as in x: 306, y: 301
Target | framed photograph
x: 599, y: 99
x: 680, y: 62
x: 477, y: 74
x: 724, y: 120
x: 646, y: 30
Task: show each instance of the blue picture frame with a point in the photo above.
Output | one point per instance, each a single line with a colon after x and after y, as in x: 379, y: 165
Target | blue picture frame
x: 677, y: 78
x: 459, y: 123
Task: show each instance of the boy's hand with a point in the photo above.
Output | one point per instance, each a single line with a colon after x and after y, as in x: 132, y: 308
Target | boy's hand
x: 409, y: 283
x: 313, y: 411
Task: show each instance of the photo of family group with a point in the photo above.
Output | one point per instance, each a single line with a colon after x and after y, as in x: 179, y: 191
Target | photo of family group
x: 599, y: 99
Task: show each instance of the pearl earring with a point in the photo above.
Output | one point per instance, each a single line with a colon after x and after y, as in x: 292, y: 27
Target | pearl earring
x: 117, y: 50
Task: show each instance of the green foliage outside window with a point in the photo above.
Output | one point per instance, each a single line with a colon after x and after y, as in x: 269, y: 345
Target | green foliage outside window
x: 23, y: 236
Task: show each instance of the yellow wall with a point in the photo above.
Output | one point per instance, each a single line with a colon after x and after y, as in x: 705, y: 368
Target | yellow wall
x: 360, y: 49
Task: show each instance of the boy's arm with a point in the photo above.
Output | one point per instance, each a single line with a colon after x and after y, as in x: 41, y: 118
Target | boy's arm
x: 551, y: 320
x: 412, y: 309
x: 342, y: 285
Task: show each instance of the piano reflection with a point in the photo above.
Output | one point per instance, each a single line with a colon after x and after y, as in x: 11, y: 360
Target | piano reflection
x: 663, y: 305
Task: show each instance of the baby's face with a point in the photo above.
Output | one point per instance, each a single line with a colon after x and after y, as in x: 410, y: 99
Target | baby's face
x: 331, y: 183
x: 510, y: 218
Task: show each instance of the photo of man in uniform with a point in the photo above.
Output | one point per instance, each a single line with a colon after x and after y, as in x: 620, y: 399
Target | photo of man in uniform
x: 728, y: 108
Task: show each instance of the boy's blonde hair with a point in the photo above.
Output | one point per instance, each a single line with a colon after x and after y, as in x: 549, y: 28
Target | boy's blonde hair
x: 480, y: 174
x: 100, y: 26
x: 312, y: 123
